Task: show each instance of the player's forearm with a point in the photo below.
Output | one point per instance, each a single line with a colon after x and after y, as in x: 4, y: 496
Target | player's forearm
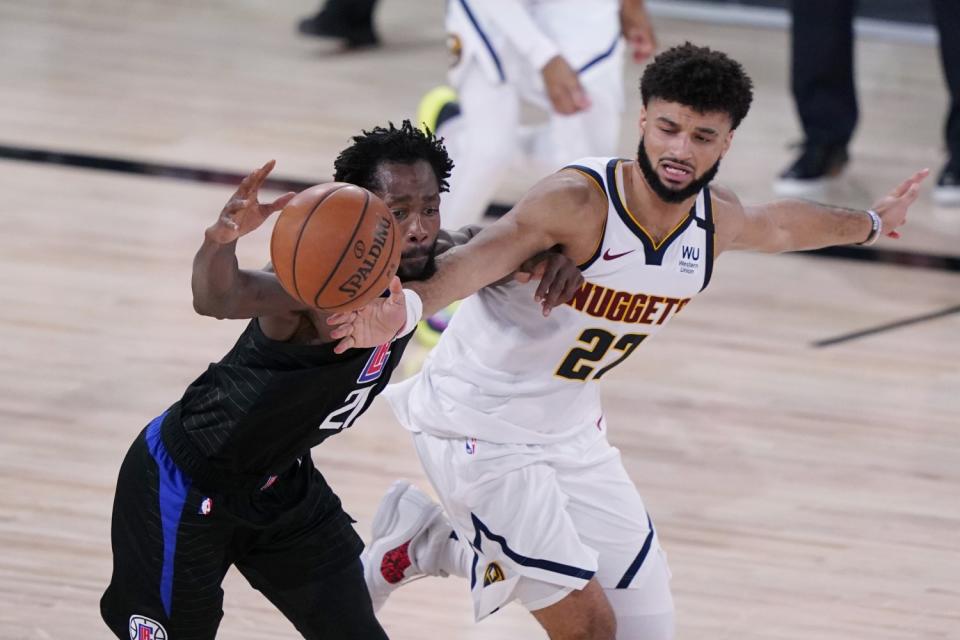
x: 800, y: 225
x: 494, y: 253
x: 215, y: 275
x: 458, y: 275
x: 222, y: 290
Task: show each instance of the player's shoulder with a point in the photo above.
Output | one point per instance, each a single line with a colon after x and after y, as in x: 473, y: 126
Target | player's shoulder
x: 728, y: 214
x: 724, y: 197
x: 573, y: 188
x: 726, y: 205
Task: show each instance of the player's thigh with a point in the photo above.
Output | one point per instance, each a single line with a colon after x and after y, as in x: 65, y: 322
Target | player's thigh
x: 608, y: 512
x: 490, y: 110
x: 582, y: 614
x: 168, y: 559
x: 309, y: 568
x: 504, y: 501
x: 645, y: 612
x: 336, y: 607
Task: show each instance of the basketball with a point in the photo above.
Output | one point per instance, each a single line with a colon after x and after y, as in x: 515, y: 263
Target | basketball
x: 335, y: 247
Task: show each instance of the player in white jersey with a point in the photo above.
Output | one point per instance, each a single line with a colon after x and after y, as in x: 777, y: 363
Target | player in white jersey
x: 506, y: 415
x: 563, y: 56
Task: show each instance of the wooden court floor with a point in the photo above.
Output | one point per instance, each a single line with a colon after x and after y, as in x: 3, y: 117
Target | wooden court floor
x: 800, y: 492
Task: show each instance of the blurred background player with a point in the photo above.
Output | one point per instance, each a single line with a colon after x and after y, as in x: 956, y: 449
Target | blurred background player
x: 822, y: 71
x: 563, y: 56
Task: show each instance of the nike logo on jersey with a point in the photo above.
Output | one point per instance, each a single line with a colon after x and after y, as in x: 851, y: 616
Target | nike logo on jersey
x: 613, y: 256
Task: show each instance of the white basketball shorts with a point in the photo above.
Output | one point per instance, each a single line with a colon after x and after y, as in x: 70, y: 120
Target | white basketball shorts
x: 559, y: 514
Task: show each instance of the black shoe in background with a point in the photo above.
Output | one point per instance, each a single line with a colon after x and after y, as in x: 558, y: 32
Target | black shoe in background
x: 325, y: 25
x: 816, y: 166
x: 947, y: 191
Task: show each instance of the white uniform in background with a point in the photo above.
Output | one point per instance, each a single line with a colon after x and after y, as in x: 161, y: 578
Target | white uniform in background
x: 499, y: 48
x: 508, y: 423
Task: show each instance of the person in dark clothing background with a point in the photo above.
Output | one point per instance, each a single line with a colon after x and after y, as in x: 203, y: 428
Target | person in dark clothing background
x: 822, y: 71
x: 348, y: 20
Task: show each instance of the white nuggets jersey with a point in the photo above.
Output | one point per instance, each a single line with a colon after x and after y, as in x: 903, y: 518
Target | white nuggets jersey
x: 504, y: 373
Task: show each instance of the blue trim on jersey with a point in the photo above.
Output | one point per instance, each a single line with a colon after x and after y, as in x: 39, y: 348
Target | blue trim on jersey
x: 172, y: 491
x: 486, y: 40
x: 524, y: 561
x: 638, y: 561
x: 603, y: 56
x: 596, y: 178
x: 652, y: 255
x: 473, y: 570
x: 709, y: 233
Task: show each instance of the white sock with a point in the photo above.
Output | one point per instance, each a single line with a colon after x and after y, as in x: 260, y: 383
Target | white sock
x: 438, y: 553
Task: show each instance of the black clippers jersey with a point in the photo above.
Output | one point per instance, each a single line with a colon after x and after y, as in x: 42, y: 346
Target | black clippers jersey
x: 266, y: 403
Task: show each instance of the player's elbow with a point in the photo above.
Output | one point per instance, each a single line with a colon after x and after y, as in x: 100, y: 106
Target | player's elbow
x: 778, y: 241
x: 212, y: 306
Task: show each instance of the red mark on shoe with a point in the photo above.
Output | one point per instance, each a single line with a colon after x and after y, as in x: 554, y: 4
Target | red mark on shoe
x: 394, y: 563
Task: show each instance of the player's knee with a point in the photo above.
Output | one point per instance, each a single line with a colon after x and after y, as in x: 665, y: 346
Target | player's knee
x: 603, y: 625
x: 582, y: 615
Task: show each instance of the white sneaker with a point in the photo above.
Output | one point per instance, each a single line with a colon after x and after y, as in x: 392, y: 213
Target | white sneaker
x: 402, y: 520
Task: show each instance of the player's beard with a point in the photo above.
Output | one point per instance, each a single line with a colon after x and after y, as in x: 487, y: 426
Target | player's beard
x: 665, y: 193
x: 419, y: 273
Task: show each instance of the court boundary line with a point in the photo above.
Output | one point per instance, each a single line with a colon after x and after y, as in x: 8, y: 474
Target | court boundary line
x: 888, y: 326
x: 96, y: 162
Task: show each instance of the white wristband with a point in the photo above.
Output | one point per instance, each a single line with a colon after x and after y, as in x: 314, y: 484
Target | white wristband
x: 875, y: 230
x: 414, y: 311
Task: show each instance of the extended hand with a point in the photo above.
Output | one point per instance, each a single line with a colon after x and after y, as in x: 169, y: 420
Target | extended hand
x: 372, y: 324
x: 244, y: 212
x: 893, y: 208
x: 559, y: 278
x: 637, y: 29
x: 563, y: 87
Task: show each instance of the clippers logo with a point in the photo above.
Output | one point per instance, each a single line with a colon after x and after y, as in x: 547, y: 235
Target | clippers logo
x: 471, y: 445
x: 272, y: 479
x: 493, y: 573
x: 206, y: 507
x: 144, y: 628
x: 376, y: 364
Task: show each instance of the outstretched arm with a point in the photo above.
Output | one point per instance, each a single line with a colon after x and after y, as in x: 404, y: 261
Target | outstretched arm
x: 554, y: 270
x: 799, y: 225
x: 563, y: 209
x: 220, y: 288
x: 554, y: 212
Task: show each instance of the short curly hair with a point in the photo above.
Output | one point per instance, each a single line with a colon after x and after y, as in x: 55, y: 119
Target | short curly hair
x: 700, y: 78
x: 358, y: 163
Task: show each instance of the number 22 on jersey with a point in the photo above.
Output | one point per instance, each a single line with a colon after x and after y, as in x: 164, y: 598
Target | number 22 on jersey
x: 583, y: 363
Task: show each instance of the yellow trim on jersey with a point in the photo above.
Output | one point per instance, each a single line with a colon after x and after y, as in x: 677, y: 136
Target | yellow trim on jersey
x: 626, y: 207
x: 592, y: 180
x: 603, y: 232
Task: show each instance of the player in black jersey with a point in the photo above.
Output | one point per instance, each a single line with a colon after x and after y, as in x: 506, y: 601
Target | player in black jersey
x: 224, y: 476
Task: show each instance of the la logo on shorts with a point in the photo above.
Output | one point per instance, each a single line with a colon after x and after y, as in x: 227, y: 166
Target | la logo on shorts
x: 493, y: 573
x: 144, y: 628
